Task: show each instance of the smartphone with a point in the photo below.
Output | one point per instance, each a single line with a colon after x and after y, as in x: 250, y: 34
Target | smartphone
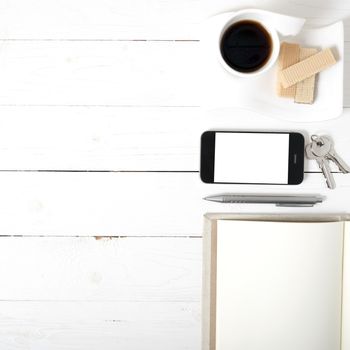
x: 246, y: 157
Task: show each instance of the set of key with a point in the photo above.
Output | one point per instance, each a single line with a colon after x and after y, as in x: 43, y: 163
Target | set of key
x: 322, y: 150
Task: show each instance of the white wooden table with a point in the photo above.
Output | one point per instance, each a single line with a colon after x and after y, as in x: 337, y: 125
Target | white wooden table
x: 100, y: 198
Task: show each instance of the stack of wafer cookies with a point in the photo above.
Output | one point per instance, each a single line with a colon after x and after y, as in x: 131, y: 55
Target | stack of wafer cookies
x: 297, y: 69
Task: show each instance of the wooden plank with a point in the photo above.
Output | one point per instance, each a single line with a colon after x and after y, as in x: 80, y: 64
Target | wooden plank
x: 96, y: 19
x: 136, y: 139
x: 106, y: 325
x: 105, y: 269
x: 134, y: 204
x: 102, y: 138
x: 98, y: 73
x: 160, y: 19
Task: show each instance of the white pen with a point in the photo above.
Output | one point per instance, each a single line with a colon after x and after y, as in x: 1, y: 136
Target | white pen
x: 278, y: 200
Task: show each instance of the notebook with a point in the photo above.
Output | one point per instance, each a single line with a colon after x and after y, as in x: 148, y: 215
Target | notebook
x: 272, y: 283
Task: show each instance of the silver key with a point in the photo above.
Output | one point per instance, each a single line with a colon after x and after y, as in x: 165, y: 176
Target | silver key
x: 320, y: 146
x: 324, y: 147
x: 323, y: 165
x: 334, y: 157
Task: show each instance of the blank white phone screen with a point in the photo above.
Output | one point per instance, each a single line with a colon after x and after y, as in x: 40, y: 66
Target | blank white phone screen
x: 251, y: 158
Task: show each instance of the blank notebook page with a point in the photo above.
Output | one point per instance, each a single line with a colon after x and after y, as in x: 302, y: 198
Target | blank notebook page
x: 279, y: 285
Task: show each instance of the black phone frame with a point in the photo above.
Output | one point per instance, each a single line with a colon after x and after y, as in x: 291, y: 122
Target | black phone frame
x: 295, y: 157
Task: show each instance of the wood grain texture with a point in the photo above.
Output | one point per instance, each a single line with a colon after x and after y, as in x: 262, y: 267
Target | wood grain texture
x: 98, y: 73
x: 106, y: 325
x: 134, y: 204
x: 100, y: 19
x: 105, y: 269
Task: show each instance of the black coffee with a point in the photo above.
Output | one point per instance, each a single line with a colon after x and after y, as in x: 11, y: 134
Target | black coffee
x: 246, y: 46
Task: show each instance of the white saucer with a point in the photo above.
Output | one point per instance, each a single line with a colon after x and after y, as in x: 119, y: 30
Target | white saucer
x: 223, y: 90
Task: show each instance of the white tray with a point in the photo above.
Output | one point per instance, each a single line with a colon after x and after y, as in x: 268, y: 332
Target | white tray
x: 223, y: 90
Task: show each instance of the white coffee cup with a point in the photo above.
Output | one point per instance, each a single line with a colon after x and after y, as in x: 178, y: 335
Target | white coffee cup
x: 262, y: 18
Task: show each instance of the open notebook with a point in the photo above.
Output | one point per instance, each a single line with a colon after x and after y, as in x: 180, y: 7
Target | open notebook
x: 273, y: 283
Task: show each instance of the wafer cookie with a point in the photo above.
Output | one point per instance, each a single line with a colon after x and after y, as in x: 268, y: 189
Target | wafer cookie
x: 289, y: 55
x: 305, y: 89
x: 307, y: 68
